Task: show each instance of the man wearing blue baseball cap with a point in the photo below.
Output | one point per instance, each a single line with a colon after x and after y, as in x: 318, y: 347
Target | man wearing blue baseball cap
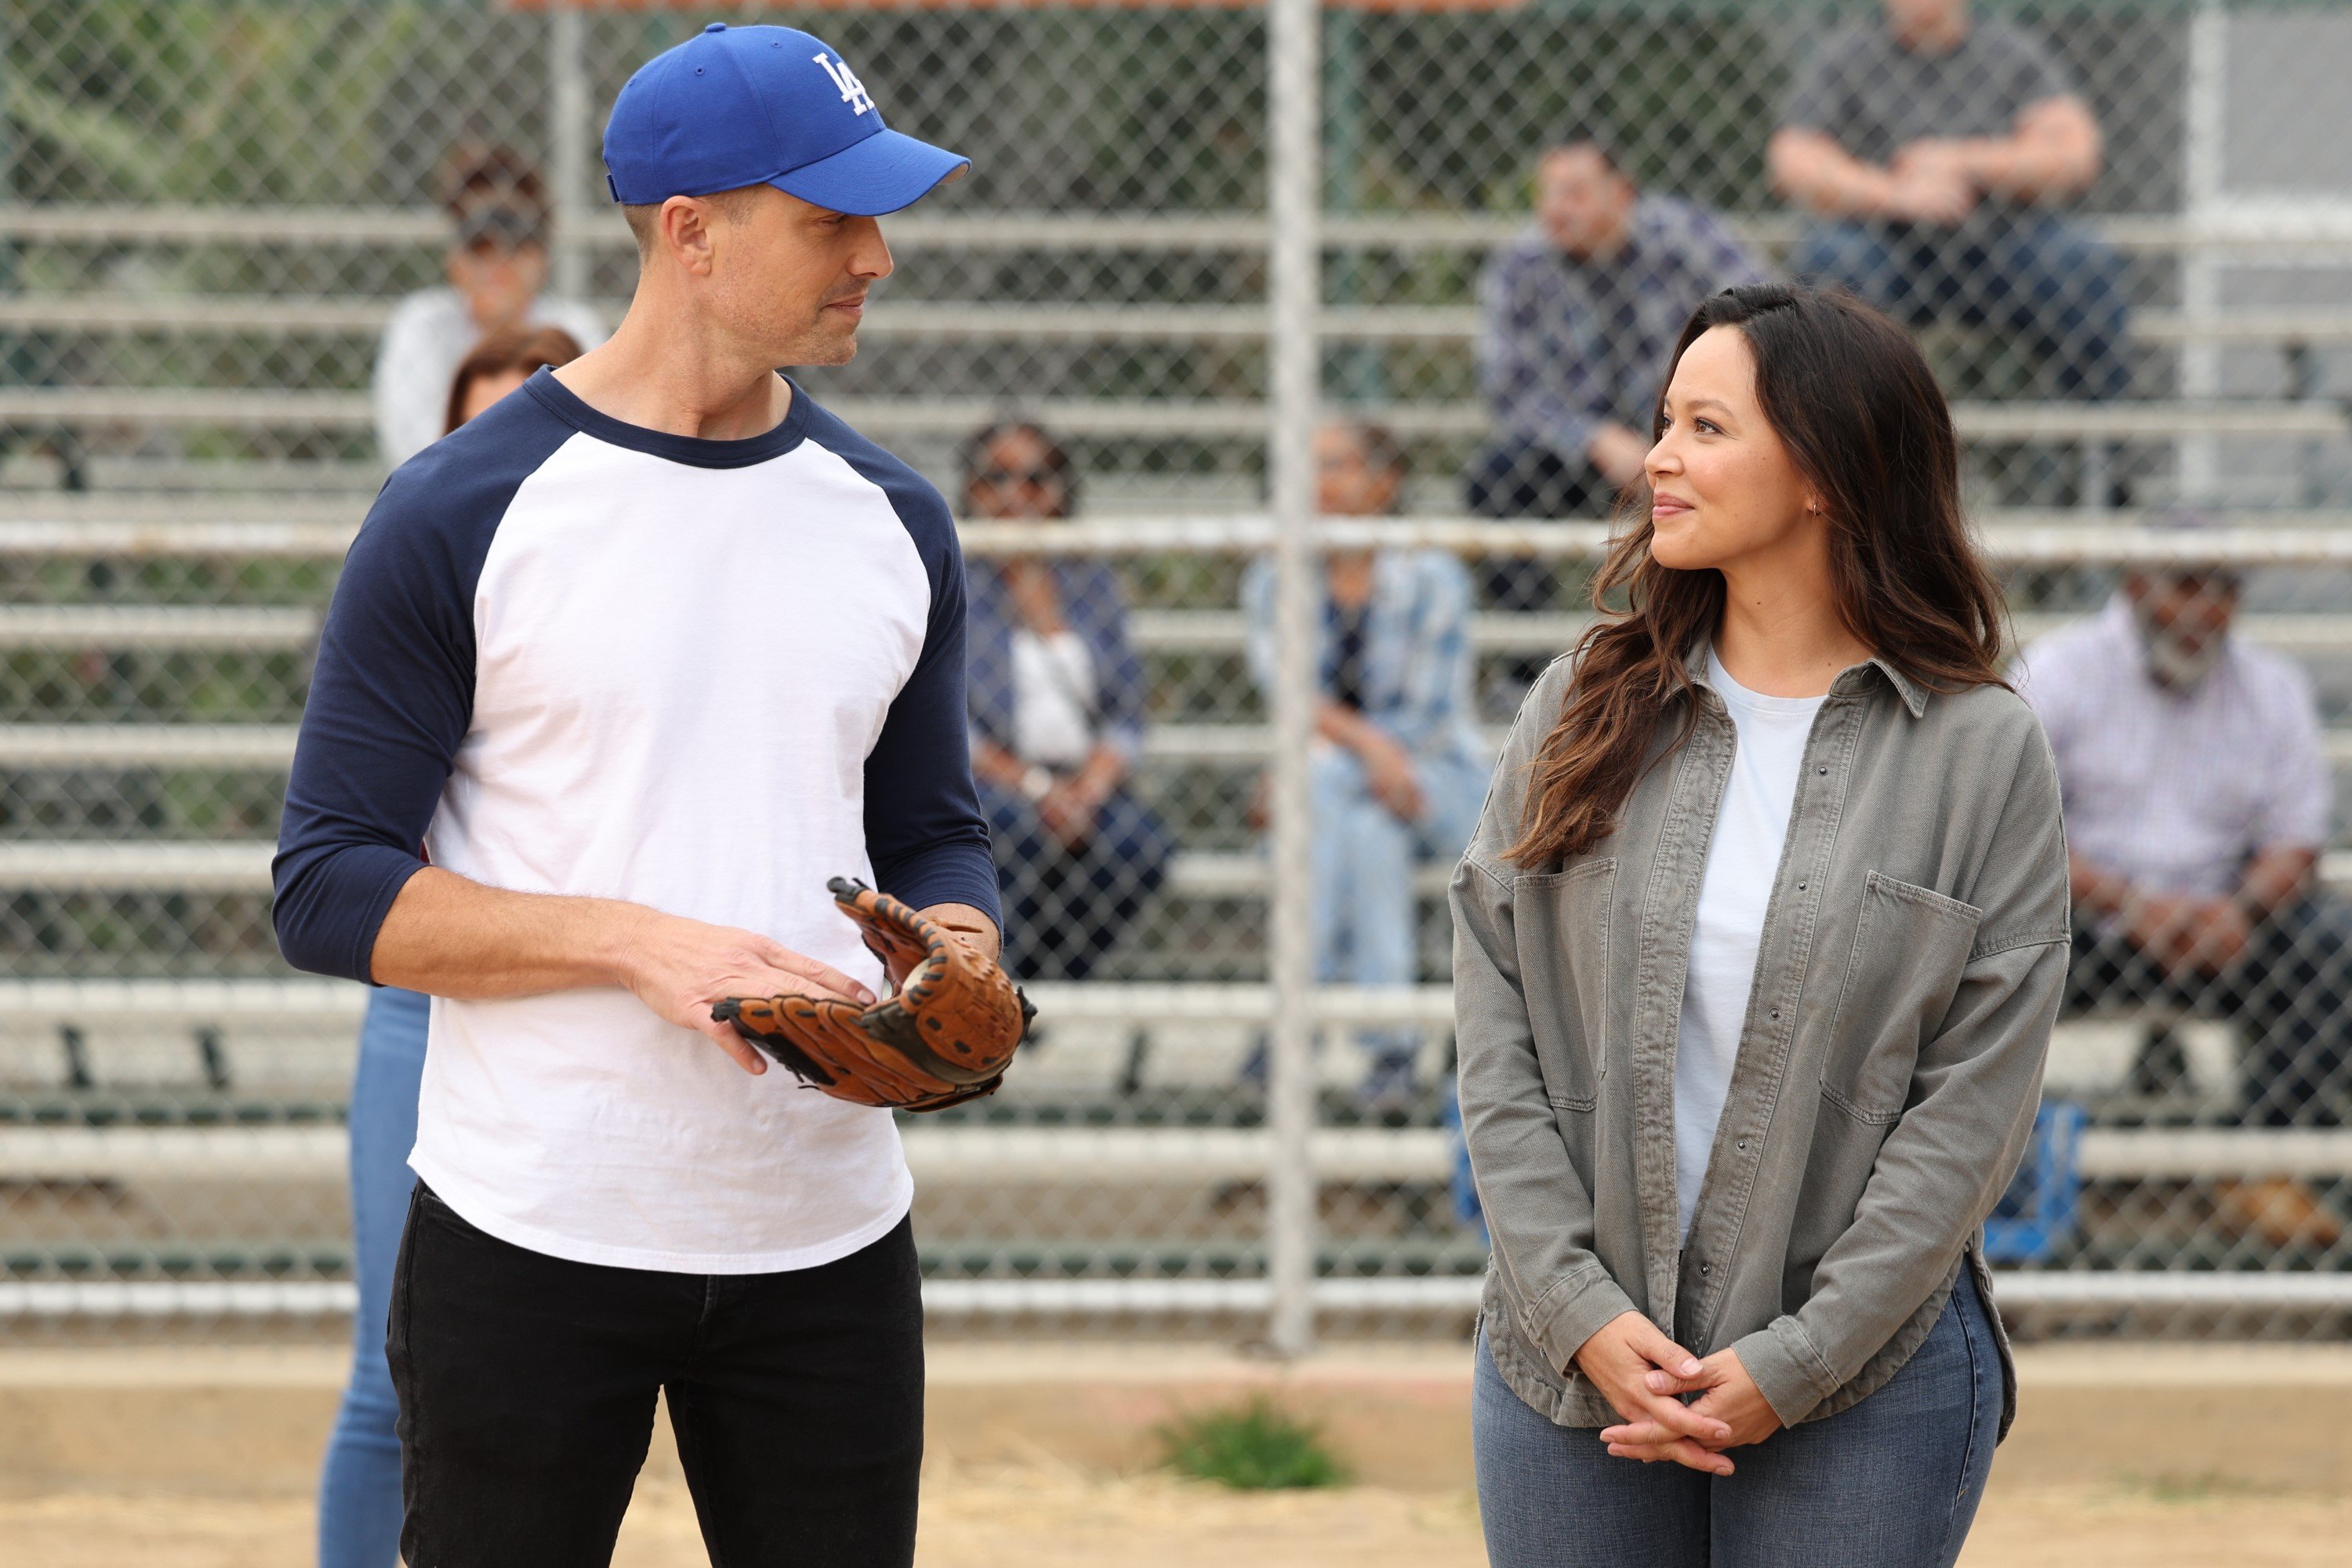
x: 615, y: 677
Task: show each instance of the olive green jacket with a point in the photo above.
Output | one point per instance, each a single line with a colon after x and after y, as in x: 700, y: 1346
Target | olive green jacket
x: 1913, y: 950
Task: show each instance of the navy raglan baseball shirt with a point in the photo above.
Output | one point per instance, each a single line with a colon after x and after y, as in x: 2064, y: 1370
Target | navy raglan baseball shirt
x: 567, y: 655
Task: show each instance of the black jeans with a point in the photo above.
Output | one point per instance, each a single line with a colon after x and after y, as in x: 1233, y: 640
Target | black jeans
x: 527, y: 1387
x: 2291, y: 993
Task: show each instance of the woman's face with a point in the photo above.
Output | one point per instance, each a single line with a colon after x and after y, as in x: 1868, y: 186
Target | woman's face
x: 1723, y: 489
x: 1346, y: 482
x: 1015, y: 479
x: 485, y: 390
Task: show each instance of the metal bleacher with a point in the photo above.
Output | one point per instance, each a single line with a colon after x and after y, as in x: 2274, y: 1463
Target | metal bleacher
x: 66, y: 1125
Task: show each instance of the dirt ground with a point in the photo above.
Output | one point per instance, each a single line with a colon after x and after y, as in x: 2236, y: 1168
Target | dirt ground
x: 1050, y: 1517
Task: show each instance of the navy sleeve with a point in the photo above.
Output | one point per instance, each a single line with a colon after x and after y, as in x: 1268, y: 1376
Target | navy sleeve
x: 392, y: 694
x: 924, y: 830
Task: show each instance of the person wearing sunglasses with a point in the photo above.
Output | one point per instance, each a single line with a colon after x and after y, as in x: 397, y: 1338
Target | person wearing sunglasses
x: 497, y: 267
x: 1057, y: 720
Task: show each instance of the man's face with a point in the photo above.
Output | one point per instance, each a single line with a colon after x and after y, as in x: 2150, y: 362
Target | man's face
x: 792, y: 278
x: 497, y: 281
x: 2184, y: 617
x: 1925, y: 18
x: 1583, y: 203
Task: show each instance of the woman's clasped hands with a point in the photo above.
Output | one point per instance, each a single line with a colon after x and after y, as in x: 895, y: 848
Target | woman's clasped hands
x: 1643, y: 1375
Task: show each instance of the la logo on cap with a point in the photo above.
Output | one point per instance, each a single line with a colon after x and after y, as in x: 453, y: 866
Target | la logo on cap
x: 853, y: 92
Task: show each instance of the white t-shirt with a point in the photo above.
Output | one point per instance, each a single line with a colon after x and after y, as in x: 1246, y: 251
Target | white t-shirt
x: 1742, y: 859
x: 1053, y: 697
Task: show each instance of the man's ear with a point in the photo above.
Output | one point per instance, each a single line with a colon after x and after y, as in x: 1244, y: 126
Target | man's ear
x: 683, y: 228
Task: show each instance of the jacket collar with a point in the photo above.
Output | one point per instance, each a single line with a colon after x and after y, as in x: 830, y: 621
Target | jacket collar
x: 1850, y: 682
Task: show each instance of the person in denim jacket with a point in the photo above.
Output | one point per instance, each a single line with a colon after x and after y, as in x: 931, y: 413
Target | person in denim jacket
x: 1057, y: 720
x: 1398, y: 767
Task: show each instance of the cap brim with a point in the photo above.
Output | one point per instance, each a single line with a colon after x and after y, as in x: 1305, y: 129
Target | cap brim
x: 887, y: 171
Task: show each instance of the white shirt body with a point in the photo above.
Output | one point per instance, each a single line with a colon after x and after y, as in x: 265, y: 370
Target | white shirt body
x: 1742, y: 860
x: 1053, y: 697
x: 2173, y: 790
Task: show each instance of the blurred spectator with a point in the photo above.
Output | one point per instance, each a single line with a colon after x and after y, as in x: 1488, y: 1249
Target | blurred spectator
x: 359, y: 1484
x: 1579, y: 314
x: 1931, y: 150
x: 1057, y: 722
x: 1399, y: 769
x: 502, y: 363
x: 2197, y: 799
x: 497, y: 266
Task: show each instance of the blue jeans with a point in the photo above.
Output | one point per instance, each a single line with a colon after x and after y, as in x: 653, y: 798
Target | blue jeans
x: 359, y: 1487
x: 1891, y: 1482
x: 1066, y: 908
x: 1366, y: 925
x: 2046, y: 282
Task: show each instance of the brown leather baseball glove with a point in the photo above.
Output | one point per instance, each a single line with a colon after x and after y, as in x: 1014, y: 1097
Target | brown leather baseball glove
x: 944, y: 1036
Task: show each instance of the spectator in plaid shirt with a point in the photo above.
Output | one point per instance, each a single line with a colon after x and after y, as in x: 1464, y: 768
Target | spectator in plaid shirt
x: 1400, y: 770
x: 1579, y: 314
x: 2197, y: 797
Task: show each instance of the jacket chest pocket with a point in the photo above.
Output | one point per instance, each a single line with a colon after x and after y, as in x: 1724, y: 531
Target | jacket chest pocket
x: 1564, y: 936
x: 1910, y: 947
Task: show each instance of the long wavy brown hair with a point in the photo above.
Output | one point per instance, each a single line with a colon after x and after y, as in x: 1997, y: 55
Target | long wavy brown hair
x: 1861, y: 417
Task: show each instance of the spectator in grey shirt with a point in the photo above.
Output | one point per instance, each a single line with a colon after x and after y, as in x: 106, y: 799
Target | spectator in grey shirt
x: 1931, y: 152
x: 1578, y: 318
x: 2196, y: 795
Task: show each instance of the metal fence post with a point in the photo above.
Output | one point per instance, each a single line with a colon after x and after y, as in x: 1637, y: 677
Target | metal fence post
x: 1294, y: 197
x: 2204, y: 122
x: 570, y: 124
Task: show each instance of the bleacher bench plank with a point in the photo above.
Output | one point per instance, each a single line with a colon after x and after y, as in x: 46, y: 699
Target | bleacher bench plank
x: 2242, y: 225
x: 1238, y: 419
x: 1096, y: 1155
x: 950, y: 320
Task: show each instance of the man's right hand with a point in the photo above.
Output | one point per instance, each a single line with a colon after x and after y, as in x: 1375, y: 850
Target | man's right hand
x: 1619, y: 1358
x: 680, y: 967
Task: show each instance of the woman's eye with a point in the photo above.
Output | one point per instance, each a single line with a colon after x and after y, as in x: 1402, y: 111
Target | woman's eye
x: 1708, y: 425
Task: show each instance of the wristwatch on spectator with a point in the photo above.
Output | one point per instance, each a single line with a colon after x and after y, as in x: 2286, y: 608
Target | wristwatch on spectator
x: 1036, y: 783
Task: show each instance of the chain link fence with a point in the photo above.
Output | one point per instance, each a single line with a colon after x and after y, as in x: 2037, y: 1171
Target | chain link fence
x: 210, y: 214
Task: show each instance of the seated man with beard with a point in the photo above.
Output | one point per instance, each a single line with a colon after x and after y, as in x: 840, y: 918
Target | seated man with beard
x: 2197, y: 799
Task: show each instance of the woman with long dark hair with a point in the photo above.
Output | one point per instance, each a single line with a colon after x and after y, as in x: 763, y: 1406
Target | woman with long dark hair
x: 1757, y: 953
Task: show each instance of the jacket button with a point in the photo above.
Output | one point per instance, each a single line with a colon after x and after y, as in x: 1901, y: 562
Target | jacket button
x: 1800, y: 887
x: 1707, y: 1269
x: 1821, y: 770
x: 1776, y: 1013
x: 1743, y: 1145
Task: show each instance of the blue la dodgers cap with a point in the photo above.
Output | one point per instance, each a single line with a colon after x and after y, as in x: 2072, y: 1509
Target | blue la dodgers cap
x: 746, y: 106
